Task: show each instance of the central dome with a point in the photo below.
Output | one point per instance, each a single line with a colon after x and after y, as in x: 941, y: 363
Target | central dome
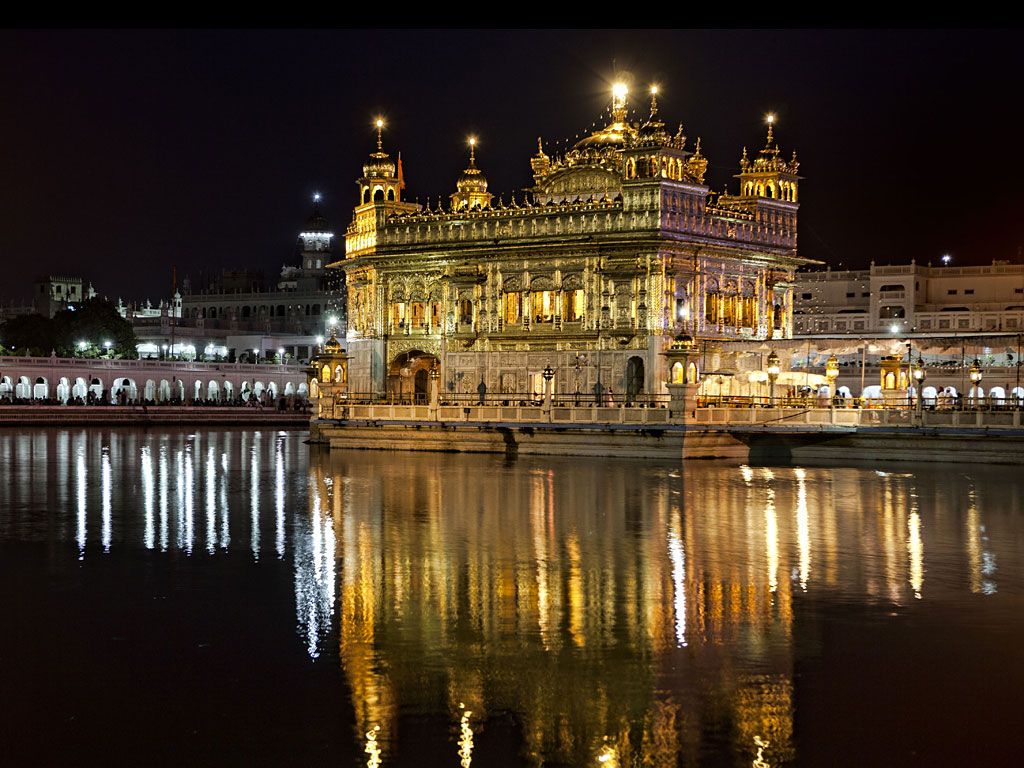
x: 612, y: 136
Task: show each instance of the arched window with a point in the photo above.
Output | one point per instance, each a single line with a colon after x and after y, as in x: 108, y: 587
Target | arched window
x: 366, y: 194
x: 378, y: 195
x: 391, y: 195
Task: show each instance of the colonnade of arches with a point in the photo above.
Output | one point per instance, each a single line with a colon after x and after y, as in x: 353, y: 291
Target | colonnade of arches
x: 126, y: 390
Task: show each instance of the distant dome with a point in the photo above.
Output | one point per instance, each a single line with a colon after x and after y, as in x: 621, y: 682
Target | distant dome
x: 317, y: 223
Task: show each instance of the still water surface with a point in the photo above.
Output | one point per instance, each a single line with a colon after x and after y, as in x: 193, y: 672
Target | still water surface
x: 236, y: 598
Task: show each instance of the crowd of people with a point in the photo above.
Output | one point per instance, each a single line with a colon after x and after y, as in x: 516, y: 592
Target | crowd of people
x: 265, y: 400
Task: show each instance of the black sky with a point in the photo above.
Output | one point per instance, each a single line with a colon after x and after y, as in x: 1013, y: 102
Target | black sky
x: 124, y: 152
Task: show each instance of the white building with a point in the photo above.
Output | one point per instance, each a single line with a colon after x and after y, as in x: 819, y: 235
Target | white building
x: 910, y: 299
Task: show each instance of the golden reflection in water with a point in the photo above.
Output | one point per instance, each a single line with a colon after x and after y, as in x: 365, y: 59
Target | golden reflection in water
x: 981, y: 561
x: 465, y: 738
x: 916, y: 551
x: 372, y: 749
x: 546, y: 594
x: 803, y: 527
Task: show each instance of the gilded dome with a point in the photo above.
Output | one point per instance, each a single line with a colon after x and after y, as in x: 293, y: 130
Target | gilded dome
x: 379, y: 166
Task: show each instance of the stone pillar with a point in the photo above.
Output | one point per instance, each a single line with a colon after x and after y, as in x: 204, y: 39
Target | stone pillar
x: 682, y: 400
x: 435, y: 380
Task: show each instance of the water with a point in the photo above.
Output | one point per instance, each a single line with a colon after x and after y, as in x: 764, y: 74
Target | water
x: 227, y: 597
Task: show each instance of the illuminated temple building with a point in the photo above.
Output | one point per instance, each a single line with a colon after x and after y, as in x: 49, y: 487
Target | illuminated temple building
x: 618, y: 248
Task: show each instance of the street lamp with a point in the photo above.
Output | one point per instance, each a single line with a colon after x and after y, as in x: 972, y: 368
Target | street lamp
x: 976, y: 376
x: 280, y: 355
x: 548, y: 373
x: 256, y: 355
x: 832, y: 373
x: 773, y: 372
x: 107, y: 345
x: 920, y: 374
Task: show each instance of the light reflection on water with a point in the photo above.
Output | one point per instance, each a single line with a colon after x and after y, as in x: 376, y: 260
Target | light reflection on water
x: 623, y: 613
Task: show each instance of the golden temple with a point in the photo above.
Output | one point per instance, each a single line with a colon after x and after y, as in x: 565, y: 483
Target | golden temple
x: 619, y: 247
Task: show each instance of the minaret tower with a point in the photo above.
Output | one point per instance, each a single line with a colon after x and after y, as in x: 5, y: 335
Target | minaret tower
x: 380, y: 196
x: 316, y: 238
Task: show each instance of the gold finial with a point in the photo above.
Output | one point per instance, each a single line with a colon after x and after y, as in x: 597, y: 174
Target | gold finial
x: 540, y: 146
x: 472, y: 151
x: 654, y: 99
x: 619, y: 93
x: 696, y: 150
x: 380, y: 127
x: 770, y: 119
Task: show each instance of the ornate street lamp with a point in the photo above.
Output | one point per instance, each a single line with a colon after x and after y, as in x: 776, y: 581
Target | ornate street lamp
x: 976, y: 372
x: 832, y: 373
x: 548, y: 374
x: 920, y: 374
x: 773, y: 372
x: 976, y: 375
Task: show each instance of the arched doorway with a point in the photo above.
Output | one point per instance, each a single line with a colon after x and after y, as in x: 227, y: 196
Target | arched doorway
x: 634, y: 378
x: 409, y: 376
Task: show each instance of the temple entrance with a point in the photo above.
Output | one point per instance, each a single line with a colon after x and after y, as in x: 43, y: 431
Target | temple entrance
x: 409, y: 377
x: 634, y: 378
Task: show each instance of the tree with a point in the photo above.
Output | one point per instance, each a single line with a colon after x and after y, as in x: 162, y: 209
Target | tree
x: 94, y: 321
x: 28, y: 335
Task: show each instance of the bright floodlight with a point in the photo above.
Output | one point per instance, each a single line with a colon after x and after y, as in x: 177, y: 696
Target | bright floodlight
x: 472, y: 141
x: 107, y: 344
x: 654, y: 90
x: 946, y: 258
x: 82, y: 345
x: 769, y: 118
x: 316, y: 197
x: 332, y: 321
x: 894, y: 328
x: 619, y: 91
x: 379, y: 122
x: 319, y: 339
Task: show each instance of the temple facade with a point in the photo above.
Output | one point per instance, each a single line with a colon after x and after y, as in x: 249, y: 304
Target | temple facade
x: 619, y: 248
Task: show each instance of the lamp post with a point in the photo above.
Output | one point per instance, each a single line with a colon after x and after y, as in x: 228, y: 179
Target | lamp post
x: 920, y: 374
x: 832, y: 374
x: 976, y: 376
x: 773, y: 371
x: 548, y: 375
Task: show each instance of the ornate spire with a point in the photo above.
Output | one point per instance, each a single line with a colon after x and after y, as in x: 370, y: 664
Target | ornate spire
x: 654, y: 100
x: 380, y: 128
x: 472, y: 185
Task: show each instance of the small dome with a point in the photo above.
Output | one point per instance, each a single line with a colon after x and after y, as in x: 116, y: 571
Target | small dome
x: 317, y: 223
x: 379, y: 165
x: 472, y: 180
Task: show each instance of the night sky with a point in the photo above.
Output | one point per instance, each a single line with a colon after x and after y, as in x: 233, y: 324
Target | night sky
x: 127, y: 152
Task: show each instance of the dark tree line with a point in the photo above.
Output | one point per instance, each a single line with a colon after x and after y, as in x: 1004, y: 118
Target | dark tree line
x: 93, y: 321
